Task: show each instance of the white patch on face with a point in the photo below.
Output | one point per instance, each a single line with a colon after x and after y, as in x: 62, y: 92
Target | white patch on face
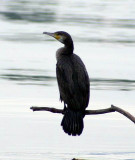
x: 62, y: 38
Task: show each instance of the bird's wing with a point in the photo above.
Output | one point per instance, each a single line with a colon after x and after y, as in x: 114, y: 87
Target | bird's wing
x: 65, y: 82
x: 82, y: 82
x: 73, y: 83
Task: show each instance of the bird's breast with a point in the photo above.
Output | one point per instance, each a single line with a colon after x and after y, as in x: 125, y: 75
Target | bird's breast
x: 59, y: 53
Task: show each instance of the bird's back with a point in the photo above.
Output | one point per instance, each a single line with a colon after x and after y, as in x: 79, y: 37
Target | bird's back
x: 73, y: 82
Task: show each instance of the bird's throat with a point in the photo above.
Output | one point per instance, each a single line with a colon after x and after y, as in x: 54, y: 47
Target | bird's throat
x: 69, y: 48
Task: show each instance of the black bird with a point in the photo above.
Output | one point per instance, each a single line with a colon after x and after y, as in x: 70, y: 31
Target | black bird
x: 73, y: 83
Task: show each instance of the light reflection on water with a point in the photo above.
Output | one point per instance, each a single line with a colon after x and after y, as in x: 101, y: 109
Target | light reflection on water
x: 27, y: 65
x: 69, y: 156
x: 104, y: 22
x: 39, y: 77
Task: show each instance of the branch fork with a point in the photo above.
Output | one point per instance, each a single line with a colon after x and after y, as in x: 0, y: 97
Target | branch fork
x: 89, y: 112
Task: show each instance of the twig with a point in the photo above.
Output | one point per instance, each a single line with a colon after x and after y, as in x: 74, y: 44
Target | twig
x: 53, y: 110
x: 89, y: 112
x: 125, y: 113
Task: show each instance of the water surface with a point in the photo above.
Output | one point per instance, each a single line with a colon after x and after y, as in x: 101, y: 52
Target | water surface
x: 104, y: 37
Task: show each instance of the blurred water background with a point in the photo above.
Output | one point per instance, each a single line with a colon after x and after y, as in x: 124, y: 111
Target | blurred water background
x: 104, y: 37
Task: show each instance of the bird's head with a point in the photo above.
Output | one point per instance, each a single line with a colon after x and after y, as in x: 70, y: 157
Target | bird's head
x: 61, y: 36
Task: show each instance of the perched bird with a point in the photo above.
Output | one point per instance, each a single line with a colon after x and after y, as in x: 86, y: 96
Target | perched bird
x: 73, y: 83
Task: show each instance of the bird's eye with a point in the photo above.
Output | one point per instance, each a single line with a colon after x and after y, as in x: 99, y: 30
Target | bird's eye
x: 57, y: 36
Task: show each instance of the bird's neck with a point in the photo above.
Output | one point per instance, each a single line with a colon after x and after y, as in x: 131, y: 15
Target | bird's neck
x: 69, y: 48
x: 66, y: 50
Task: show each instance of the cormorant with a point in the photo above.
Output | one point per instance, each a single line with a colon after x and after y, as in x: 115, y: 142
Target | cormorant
x: 73, y: 83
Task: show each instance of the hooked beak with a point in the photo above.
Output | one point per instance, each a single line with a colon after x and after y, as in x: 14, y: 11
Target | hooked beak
x: 50, y: 34
x: 56, y: 36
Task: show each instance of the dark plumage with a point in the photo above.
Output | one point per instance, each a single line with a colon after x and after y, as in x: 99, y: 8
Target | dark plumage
x: 73, y: 83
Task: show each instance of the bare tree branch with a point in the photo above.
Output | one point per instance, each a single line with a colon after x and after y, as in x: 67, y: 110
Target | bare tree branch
x: 125, y: 113
x: 53, y: 110
x: 89, y: 112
